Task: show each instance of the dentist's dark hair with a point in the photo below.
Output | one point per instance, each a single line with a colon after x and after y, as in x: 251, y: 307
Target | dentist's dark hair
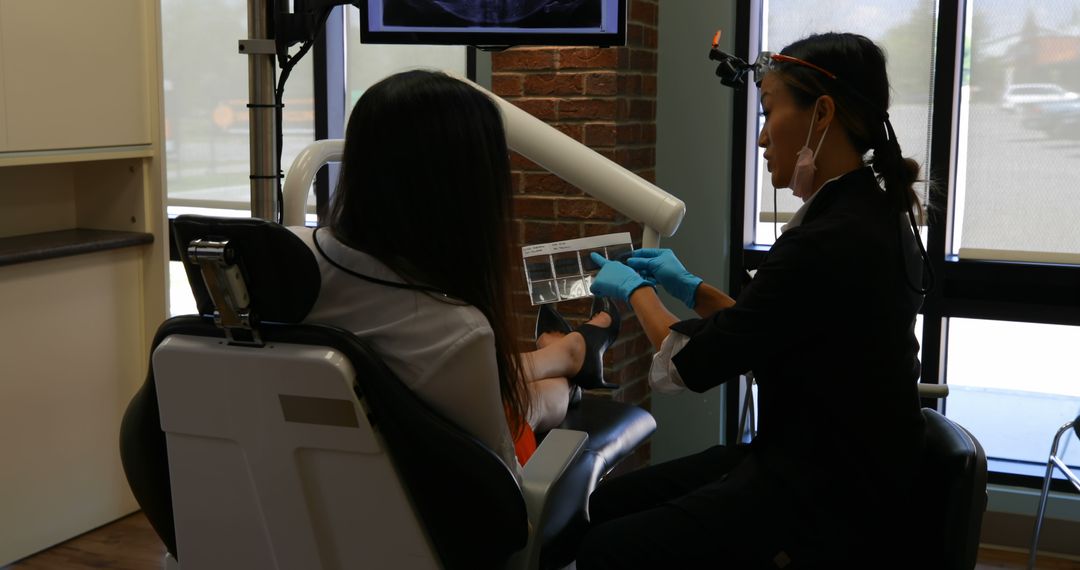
x: 861, y: 91
x: 425, y: 189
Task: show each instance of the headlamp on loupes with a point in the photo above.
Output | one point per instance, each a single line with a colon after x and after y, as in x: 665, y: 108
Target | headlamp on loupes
x: 732, y: 70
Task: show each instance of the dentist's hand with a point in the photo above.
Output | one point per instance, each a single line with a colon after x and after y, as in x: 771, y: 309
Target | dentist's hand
x: 615, y: 280
x: 661, y: 266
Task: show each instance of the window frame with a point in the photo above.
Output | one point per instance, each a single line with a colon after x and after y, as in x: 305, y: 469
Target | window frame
x: 966, y: 288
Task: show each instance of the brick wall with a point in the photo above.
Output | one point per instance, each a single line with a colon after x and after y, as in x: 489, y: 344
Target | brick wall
x: 606, y: 99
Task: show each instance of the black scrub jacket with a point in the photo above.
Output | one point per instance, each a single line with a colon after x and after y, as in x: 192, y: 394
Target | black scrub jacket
x: 827, y: 327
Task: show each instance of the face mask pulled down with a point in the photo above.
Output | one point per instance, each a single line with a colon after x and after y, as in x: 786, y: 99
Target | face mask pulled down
x: 802, y: 177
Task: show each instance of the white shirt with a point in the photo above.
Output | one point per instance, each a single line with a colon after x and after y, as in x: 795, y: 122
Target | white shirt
x: 444, y: 352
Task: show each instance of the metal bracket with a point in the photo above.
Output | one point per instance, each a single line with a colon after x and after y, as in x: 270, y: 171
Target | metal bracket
x: 232, y: 304
x: 258, y: 47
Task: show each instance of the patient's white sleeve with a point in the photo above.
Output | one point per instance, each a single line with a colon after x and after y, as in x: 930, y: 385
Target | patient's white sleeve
x: 663, y: 375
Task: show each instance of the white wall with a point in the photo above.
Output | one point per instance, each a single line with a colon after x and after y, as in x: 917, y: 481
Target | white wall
x: 693, y: 162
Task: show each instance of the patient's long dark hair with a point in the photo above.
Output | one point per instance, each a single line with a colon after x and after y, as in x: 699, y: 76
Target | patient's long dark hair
x: 425, y: 188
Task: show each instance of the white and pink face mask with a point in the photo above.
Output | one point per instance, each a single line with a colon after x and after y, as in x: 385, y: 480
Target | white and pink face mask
x: 802, y: 177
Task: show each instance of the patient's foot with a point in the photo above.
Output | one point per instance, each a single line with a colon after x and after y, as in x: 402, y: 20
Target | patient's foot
x: 602, y: 320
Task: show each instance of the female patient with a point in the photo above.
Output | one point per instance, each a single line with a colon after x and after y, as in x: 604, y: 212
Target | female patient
x: 416, y: 260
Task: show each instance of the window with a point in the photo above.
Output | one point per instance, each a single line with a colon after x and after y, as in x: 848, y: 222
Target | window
x: 985, y: 96
x: 1018, y: 165
x: 904, y: 29
x: 206, y: 96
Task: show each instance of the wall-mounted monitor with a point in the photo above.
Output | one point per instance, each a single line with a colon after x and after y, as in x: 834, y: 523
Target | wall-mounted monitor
x: 494, y: 22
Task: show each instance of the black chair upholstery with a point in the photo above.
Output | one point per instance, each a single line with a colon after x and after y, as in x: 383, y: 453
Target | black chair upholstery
x: 468, y: 500
x: 953, y: 493
x: 282, y: 275
x: 614, y: 429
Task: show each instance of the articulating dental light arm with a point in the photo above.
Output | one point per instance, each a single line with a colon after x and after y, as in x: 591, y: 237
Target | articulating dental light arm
x: 660, y: 212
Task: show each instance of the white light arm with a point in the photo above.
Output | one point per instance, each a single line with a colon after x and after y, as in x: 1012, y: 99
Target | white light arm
x: 638, y: 199
x: 302, y: 174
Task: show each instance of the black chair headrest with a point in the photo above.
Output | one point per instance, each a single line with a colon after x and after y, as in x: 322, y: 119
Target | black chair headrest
x: 281, y: 274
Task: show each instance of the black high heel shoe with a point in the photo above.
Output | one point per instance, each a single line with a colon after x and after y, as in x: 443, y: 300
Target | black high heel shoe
x: 549, y: 320
x: 597, y: 340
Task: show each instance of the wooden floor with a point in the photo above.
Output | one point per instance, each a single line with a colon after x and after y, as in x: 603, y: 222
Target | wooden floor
x: 130, y: 544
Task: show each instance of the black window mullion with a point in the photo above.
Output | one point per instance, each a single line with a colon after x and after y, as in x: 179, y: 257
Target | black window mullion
x: 943, y: 142
x: 739, y: 151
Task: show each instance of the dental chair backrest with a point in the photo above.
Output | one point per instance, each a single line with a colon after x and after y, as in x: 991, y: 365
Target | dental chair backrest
x: 259, y: 442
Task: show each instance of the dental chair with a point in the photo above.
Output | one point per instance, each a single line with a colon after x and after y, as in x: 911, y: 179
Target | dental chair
x: 953, y: 485
x: 259, y: 441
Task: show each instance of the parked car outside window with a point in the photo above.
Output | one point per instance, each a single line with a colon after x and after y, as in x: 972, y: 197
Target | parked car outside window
x: 1018, y: 96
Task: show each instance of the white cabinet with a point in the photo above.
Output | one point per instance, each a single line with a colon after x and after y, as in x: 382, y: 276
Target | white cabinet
x: 3, y: 104
x: 74, y: 73
x: 83, y: 256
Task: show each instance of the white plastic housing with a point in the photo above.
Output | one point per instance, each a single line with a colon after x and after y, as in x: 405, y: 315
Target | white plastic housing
x: 638, y: 199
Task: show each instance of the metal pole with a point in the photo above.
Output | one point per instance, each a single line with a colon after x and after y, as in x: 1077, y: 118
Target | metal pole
x: 262, y: 71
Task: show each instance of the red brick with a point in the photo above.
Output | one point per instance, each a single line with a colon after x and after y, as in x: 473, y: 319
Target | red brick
x: 587, y: 109
x: 652, y: 38
x: 648, y: 85
x: 636, y: 390
x: 642, y: 109
x: 517, y: 182
x: 507, y: 84
x: 584, y: 209
x: 648, y: 133
x: 602, y: 83
x: 643, y: 60
x: 629, y: 85
x: 519, y: 162
x: 575, y: 131
x: 628, y: 133
x: 633, y: 228
x: 523, y: 59
x: 547, y: 183
x: 555, y: 84
x: 636, y: 158
x: 540, y: 108
x: 600, y: 134
x: 649, y: 174
x: 644, y: 12
x: 531, y: 207
x: 635, y: 35
x: 544, y: 232
x: 588, y: 58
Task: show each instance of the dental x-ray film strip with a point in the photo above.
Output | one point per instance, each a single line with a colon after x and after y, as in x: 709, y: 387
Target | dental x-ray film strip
x: 563, y: 270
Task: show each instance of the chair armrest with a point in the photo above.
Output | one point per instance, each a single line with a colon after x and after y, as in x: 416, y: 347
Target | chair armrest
x: 546, y: 466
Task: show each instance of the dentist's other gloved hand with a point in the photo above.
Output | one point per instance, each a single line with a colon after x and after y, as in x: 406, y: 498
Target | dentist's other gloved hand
x: 661, y: 266
x: 615, y: 279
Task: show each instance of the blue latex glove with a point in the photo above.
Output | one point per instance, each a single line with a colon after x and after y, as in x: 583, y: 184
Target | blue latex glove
x: 661, y: 266
x: 615, y: 279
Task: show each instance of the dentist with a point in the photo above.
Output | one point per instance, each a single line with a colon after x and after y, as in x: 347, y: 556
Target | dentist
x: 826, y: 325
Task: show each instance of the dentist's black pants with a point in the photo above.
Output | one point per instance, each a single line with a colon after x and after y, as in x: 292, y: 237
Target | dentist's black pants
x: 717, y: 509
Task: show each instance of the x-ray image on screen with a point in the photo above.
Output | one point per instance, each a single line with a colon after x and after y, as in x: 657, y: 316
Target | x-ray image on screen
x: 493, y: 13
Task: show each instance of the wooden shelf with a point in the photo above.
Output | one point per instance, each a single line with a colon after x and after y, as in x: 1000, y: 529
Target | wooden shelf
x: 64, y: 243
x: 68, y: 156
